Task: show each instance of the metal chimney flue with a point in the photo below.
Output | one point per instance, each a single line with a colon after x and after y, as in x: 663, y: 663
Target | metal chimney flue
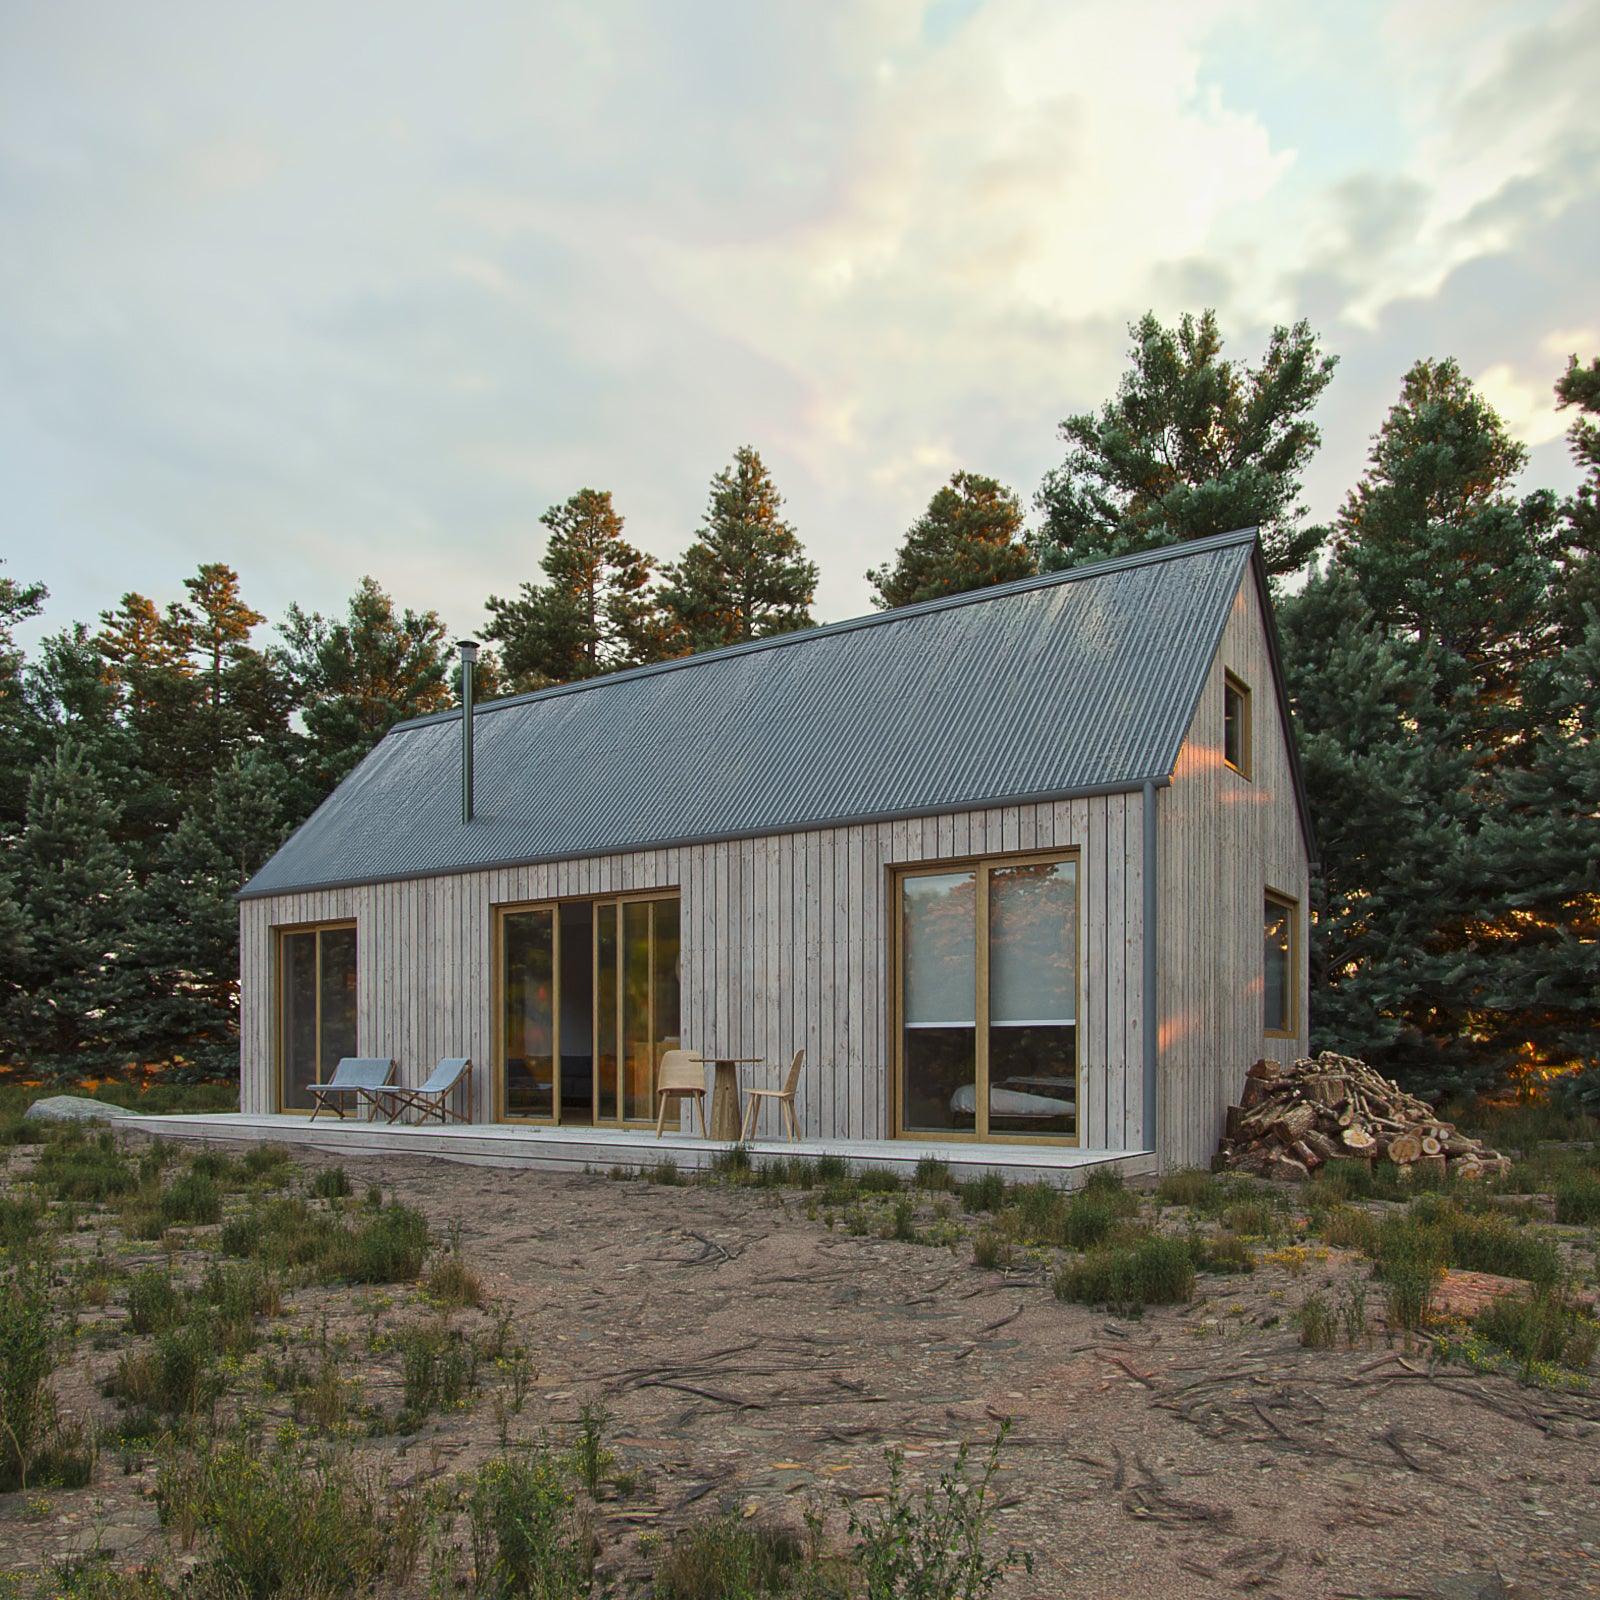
x: 469, y: 656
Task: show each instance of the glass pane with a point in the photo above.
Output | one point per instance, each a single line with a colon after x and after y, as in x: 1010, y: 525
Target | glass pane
x: 668, y: 977
x: 575, y: 997
x: 297, y: 956
x: 338, y: 998
x: 938, y: 946
x: 605, y: 1011
x: 1033, y: 998
x: 1277, y: 966
x: 529, y: 983
x: 1232, y: 726
x: 639, y: 1070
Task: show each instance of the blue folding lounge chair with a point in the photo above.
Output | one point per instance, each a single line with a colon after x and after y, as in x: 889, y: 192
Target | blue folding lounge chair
x: 355, y: 1076
x: 430, y: 1099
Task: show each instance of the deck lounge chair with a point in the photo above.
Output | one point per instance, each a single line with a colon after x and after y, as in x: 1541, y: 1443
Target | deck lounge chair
x: 430, y: 1099
x: 355, y: 1076
x: 682, y: 1075
x: 784, y: 1097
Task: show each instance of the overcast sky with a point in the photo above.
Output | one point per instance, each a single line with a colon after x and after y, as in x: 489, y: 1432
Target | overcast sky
x: 327, y: 289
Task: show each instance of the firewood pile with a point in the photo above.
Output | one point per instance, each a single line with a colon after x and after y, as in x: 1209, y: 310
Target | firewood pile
x: 1290, y: 1120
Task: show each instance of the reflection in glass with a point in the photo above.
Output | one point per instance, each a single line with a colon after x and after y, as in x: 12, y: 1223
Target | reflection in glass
x: 575, y: 1003
x: 666, y: 978
x: 298, y: 1024
x: 638, y: 1069
x: 1278, y: 918
x: 338, y: 988
x: 605, y: 1012
x: 529, y: 989
x: 1033, y: 979
x: 938, y: 943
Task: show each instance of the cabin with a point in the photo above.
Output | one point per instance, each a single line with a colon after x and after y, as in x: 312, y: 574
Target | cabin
x: 1024, y: 872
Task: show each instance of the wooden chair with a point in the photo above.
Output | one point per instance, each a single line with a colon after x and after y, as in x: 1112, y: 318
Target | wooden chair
x: 784, y: 1097
x: 430, y: 1099
x: 354, y: 1075
x: 682, y: 1075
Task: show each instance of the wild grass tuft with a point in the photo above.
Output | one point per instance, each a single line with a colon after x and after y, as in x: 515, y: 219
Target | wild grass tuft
x: 1154, y: 1270
x: 1544, y: 1326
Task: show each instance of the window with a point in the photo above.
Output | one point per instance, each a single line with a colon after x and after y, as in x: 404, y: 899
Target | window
x: 988, y: 999
x: 316, y: 1007
x: 1281, y: 965
x: 1236, y: 725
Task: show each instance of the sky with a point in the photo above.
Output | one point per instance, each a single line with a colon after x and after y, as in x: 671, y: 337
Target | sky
x: 325, y: 290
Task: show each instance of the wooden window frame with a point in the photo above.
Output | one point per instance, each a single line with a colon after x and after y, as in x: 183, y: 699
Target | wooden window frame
x: 1290, y: 904
x: 553, y: 904
x: 979, y: 866
x: 1232, y: 683
x: 279, y: 934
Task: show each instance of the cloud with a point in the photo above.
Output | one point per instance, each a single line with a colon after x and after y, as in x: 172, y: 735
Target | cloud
x: 323, y: 297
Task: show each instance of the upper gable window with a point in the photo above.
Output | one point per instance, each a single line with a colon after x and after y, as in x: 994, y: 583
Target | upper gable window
x: 1236, y: 724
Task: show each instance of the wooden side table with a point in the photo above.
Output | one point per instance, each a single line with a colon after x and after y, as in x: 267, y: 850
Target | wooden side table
x: 727, y: 1115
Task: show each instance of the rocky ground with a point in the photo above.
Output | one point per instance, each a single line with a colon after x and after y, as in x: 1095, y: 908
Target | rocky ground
x: 751, y: 1356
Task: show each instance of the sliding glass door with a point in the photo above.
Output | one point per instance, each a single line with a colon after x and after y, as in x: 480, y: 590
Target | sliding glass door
x: 987, y: 1034
x: 589, y: 1000
x: 316, y: 1007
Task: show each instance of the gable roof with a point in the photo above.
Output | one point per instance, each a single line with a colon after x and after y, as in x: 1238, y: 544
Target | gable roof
x: 1077, y: 682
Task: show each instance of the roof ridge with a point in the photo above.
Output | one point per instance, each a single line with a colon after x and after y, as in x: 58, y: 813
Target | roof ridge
x: 998, y: 591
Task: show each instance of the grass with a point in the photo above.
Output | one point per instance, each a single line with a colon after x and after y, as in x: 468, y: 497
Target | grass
x: 174, y: 1376
x: 1317, y: 1322
x: 1577, y: 1197
x: 1151, y: 1271
x: 527, y: 1537
x: 1436, y: 1232
x: 439, y: 1369
x: 384, y: 1244
x: 332, y: 1183
x: 728, y: 1558
x: 451, y: 1283
x: 1546, y: 1326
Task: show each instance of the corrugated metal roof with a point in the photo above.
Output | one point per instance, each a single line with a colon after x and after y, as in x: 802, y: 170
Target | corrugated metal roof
x: 1051, y: 686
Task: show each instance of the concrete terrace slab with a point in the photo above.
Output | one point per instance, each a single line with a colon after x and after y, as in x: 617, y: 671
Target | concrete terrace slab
x: 574, y: 1149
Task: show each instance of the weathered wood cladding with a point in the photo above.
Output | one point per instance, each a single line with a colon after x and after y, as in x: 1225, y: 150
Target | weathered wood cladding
x: 1224, y: 840
x: 786, y: 943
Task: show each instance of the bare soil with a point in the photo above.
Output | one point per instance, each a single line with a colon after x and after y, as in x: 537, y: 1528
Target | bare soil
x: 754, y: 1358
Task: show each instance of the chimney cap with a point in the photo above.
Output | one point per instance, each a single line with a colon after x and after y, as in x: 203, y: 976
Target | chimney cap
x: 468, y: 649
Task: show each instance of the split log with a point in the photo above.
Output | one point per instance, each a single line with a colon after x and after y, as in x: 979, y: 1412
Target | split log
x: 1357, y: 1138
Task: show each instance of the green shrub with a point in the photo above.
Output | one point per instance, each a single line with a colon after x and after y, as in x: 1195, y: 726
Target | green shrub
x: 21, y: 1218
x: 932, y: 1545
x: 526, y: 1538
x: 439, y: 1368
x: 1107, y: 1184
x: 1578, y: 1197
x: 992, y: 1248
x: 191, y: 1197
x: 1409, y: 1285
x: 1317, y: 1322
x: 933, y: 1173
x: 387, y: 1248
x: 1437, y: 1231
x: 665, y: 1171
x: 280, y: 1524
x: 1155, y: 1270
x: 332, y: 1183
x: 1221, y: 1252
x: 878, y: 1180
x: 1545, y: 1326
x: 154, y: 1301
x: 174, y: 1375
x: 269, y: 1161
x: 451, y: 1283
x: 1255, y: 1219
x: 727, y: 1558
x: 832, y: 1169
x: 733, y: 1163
x: 1193, y: 1187
x: 85, y: 1167
x: 1348, y: 1228
x: 986, y: 1193
x: 27, y: 1358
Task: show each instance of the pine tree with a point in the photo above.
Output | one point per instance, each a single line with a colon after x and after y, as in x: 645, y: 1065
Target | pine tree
x: 75, y: 888
x: 971, y: 536
x: 1193, y: 444
x: 357, y: 676
x: 1446, y: 554
x: 1539, y: 939
x: 1386, y: 775
x: 184, y: 944
x: 595, y: 612
x: 746, y: 575
x: 22, y: 735
x: 1578, y: 589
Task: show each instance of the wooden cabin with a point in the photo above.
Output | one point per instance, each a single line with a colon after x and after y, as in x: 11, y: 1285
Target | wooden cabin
x: 1024, y: 866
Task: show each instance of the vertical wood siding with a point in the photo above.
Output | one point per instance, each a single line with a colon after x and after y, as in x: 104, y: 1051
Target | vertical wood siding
x: 1224, y: 840
x: 785, y: 946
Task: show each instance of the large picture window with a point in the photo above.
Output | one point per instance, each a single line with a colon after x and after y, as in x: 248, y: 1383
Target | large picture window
x: 589, y: 996
x: 316, y: 1007
x: 988, y: 1001
x: 1280, y: 965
